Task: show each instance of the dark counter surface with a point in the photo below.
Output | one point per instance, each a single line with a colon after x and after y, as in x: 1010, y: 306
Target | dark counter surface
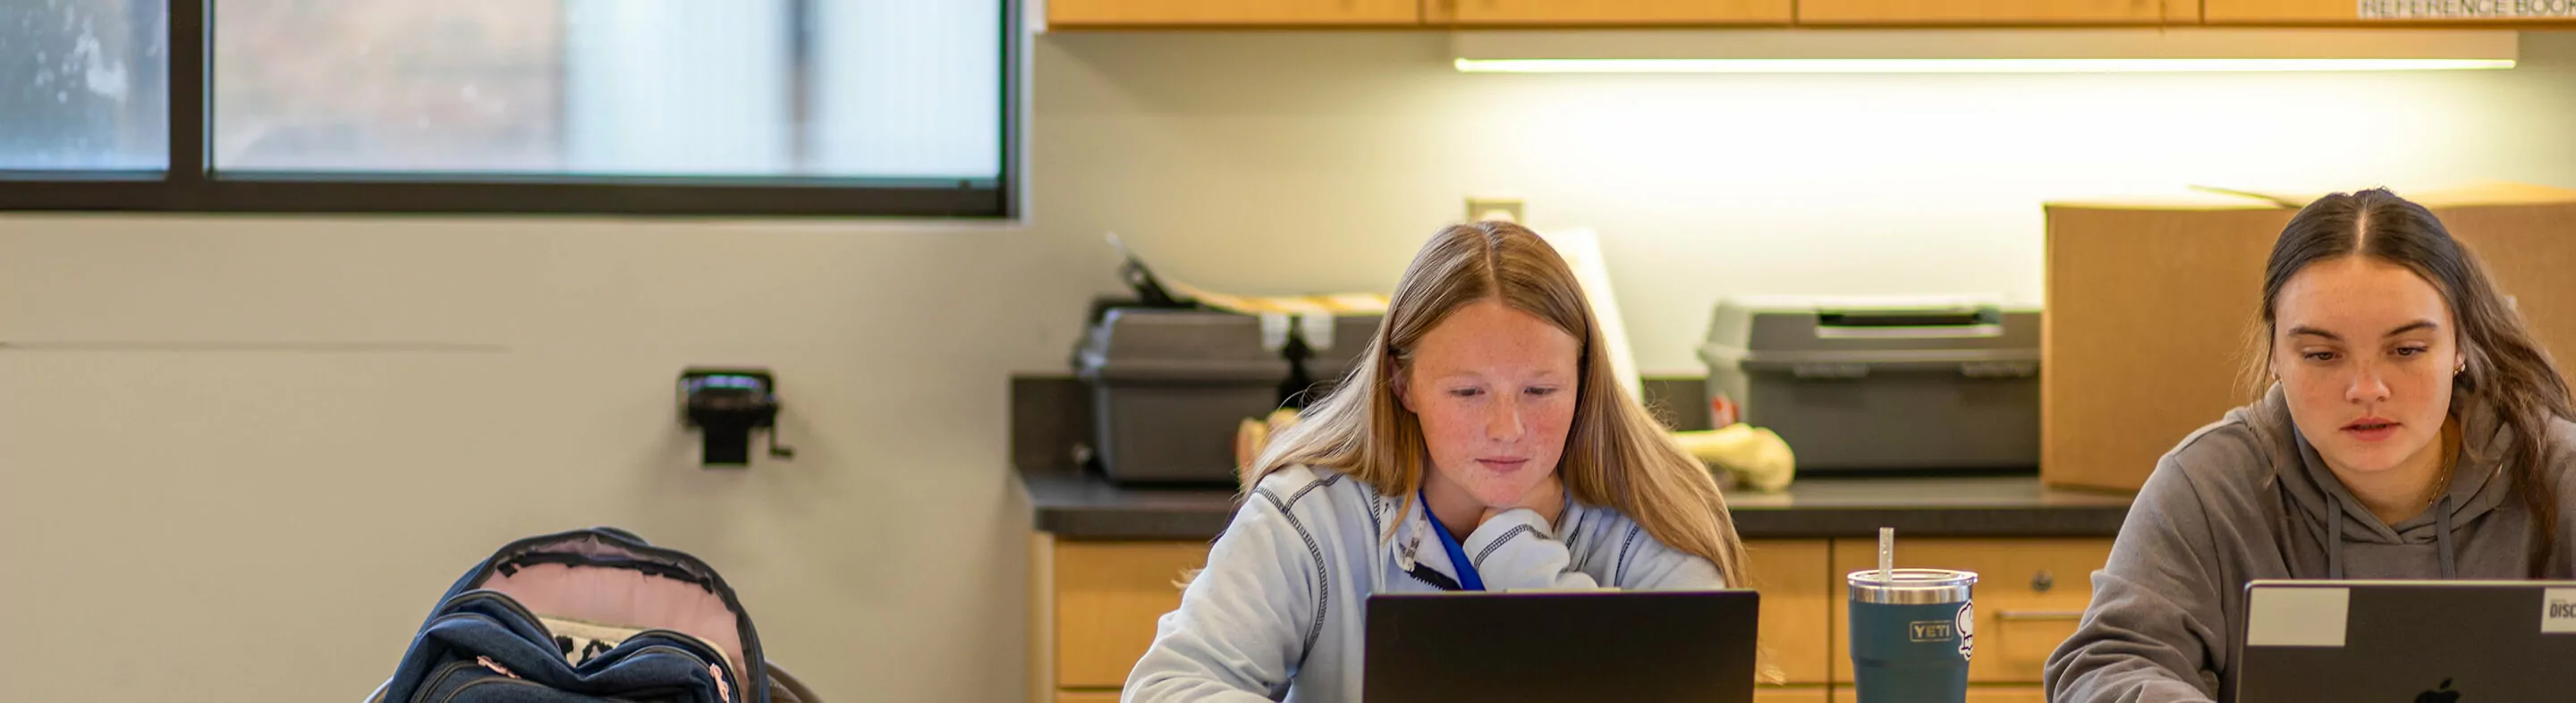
x: 1079, y: 506
x: 1051, y: 416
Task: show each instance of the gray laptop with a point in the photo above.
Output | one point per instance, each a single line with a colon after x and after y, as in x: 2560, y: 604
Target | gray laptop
x: 2399, y: 641
x: 1553, y: 647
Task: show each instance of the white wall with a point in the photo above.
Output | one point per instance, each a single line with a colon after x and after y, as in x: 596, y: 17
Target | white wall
x: 1267, y: 161
x: 271, y: 525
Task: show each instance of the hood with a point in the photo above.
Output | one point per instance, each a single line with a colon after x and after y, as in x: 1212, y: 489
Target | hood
x: 2316, y: 501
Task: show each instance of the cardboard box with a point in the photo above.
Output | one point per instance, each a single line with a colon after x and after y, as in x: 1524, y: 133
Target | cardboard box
x: 2151, y: 310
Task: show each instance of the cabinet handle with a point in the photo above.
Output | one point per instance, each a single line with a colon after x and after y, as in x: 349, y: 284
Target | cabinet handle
x: 2039, y: 615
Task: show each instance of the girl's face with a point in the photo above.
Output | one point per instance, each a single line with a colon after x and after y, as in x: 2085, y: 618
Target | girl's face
x: 1495, y: 391
x: 2365, y: 351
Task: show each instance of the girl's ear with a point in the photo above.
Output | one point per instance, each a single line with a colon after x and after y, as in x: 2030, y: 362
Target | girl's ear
x: 1396, y: 384
x: 2272, y: 359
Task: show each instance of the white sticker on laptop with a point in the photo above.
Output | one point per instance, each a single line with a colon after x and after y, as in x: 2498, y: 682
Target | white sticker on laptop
x: 2558, y: 611
x: 2298, y: 617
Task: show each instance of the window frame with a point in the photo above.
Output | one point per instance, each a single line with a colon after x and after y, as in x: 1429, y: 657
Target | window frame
x: 190, y: 185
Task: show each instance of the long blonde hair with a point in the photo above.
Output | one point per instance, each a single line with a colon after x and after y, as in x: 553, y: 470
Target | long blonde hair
x: 1616, y: 454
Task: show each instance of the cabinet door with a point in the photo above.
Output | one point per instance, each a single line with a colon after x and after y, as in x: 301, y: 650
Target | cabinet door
x: 1981, y: 12
x: 1976, y: 694
x: 1605, y: 12
x: 1797, y: 604
x: 2007, y: 694
x: 1108, y: 597
x: 1075, y: 14
x: 1790, y: 694
x: 2030, y: 594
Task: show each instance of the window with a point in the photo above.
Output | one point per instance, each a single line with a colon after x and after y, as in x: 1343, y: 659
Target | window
x: 83, y: 86
x: 860, y: 107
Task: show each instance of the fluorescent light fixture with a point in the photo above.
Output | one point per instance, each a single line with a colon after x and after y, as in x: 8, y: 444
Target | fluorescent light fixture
x: 2107, y: 50
x: 1968, y: 65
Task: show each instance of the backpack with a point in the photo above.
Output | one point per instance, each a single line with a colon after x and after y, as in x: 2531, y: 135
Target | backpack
x: 587, y: 616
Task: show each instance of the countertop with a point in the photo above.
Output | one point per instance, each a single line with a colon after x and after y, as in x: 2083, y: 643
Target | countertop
x: 1083, y: 506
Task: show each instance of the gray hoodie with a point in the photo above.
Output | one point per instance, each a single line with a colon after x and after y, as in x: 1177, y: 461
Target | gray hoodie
x: 1280, y: 610
x: 2247, y: 498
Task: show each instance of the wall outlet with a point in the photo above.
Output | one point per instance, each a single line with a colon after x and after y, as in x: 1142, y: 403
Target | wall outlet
x: 1505, y: 209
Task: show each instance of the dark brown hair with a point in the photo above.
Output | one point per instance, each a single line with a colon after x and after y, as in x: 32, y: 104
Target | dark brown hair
x: 2505, y: 367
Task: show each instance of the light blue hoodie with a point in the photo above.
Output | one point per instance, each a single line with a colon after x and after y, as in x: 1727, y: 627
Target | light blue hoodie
x: 1279, y: 609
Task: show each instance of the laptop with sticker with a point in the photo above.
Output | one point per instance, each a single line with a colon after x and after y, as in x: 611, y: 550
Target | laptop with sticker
x: 2398, y: 641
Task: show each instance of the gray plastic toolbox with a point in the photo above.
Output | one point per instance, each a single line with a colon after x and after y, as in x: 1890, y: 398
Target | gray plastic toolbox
x: 1883, y: 383
x: 1333, y: 362
x: 1169, y: 386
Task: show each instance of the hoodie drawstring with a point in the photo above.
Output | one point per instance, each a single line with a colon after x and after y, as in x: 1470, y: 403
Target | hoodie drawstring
x: 2442, y: 535
x: 2334, y: 549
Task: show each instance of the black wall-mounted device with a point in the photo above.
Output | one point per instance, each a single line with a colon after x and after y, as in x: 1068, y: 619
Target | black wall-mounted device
x: 726, y: 405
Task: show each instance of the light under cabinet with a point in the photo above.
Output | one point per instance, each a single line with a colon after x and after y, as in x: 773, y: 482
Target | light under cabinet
x: 2126, y: 50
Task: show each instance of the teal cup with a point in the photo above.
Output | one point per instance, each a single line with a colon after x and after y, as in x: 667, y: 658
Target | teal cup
x: 1912, y: 635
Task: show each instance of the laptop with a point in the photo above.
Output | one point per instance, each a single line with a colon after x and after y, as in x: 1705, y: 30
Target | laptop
x: 2422, y: 641
x: 1553, y: 647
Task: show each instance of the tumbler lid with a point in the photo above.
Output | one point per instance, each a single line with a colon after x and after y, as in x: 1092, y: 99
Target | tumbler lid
x: 1912, y: 586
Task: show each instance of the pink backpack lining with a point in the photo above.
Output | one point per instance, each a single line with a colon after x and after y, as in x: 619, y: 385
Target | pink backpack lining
x: 615, y: 596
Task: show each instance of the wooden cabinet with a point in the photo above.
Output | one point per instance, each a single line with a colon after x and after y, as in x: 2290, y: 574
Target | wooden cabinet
x: 1121, y: 14
x: 1108, y: 598
x: 1606, y: 12
x: 2007, y: 694
x: 1791, y: 694
x: 1798, y: 598
x: 2348, y: 12
x: 2030, y: 594
x: 1976, y: 694
x: 1094, y: 607
x: 1220, y: 13
x: 1983, y: 12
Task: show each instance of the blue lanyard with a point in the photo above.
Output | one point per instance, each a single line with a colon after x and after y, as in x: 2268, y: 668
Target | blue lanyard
x: 1467, y: 577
